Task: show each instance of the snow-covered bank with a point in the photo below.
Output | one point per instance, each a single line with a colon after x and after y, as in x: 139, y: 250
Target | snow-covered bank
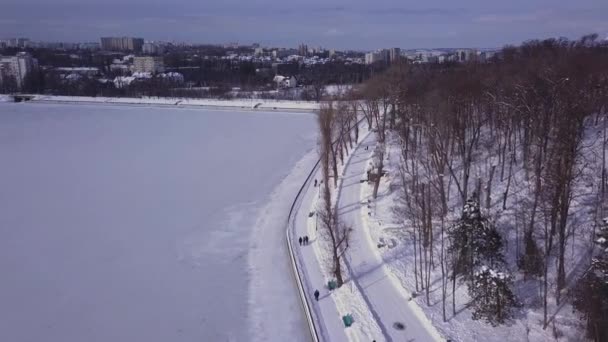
x: 275, y: 312
x: 250, y: 104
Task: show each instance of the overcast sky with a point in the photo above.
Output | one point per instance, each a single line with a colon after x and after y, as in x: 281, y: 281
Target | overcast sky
x: 340, y: 24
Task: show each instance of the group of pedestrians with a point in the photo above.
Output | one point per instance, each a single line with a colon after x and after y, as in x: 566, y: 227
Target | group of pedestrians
x: 303, y: 240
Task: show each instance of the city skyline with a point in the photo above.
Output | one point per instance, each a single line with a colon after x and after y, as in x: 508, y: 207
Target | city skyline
x: 335, y: 24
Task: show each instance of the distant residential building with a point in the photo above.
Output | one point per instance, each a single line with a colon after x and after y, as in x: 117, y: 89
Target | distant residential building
x: 394, y: 54
x: 486, y: 56
x: 373, y: 57
x: 465, y: 55
x: 285, y: 82
x: 383, y: 55
x: 150, y: 48
x: 17, y: 42
x: 122, y: 44
x: 148, y: 64
x: 303, y: 50
x: 18, y: 66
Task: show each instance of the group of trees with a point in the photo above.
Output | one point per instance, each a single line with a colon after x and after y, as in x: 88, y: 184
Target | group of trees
x: 476, y: 252
x: 338, y: 127
x: 463, y: 129
x: 591, y: 293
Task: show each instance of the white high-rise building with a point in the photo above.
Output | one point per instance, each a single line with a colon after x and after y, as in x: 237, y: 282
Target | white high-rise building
x: 18, y: 66
x: 377, y: 56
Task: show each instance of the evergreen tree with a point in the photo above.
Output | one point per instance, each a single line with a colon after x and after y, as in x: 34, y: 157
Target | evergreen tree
x: 492, y: 296
x: 591, y: 292
x: 476, y: 249
x: 474, y: 242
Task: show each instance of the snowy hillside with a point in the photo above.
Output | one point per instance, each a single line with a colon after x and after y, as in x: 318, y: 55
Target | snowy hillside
x: 394, y: 235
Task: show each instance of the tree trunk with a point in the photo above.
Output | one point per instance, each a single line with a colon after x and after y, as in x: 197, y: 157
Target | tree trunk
x: 489, y: 188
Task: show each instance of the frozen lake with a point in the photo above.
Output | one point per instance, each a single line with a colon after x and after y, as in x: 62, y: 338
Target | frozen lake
x: 126, y: 223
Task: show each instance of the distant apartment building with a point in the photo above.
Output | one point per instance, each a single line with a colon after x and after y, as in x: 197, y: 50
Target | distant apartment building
x: 150, y: 48
x: 17, y: 42
x: 465, y: 55
x: 122, y: 44
x: 374, y: 57
x: 383, y: 55
x: 394, y: 54
x: 303, y: 50
x: 148, y: 64
x: 486, y: 56
x: 17, y: 67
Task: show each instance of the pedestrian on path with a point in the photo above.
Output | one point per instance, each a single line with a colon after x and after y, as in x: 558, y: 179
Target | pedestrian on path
x: 306, y: 240
x: 300, y: 240
x: 317, y: 295
x: 315, y: 182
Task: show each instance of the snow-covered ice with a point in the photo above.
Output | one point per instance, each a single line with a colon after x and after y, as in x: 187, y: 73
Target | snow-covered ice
x: 126, y: 223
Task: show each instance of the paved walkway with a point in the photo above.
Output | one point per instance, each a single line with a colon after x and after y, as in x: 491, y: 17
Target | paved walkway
x: 385, y: 296
x: 325, y: 313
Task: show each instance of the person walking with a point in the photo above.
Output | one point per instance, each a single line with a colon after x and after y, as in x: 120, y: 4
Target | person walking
x: 316, y: 295
x: 306, y: 240
x: 300, y: 240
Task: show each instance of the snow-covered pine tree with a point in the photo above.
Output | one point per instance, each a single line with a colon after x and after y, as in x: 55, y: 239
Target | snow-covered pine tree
x: 474, y: 242
x: 590, y: 295
x: 461, y: 236
x: 492, y: 295
x: 476, y: 250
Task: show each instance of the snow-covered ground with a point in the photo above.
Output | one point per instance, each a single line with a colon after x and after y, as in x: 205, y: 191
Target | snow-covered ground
x: 396, y: 248
x: 258, y: 104
x: 124, y: 223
